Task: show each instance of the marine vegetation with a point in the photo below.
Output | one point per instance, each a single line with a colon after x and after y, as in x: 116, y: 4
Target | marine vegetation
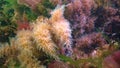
x: 59, y: 33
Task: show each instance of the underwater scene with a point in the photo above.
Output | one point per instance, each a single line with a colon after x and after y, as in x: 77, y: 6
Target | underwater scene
x: 59, y: 33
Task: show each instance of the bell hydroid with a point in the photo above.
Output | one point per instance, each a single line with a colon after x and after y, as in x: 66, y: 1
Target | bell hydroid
x: 61, y: 26
x: 23, y: 41
x: 28, y: 61
x: 43, y: 38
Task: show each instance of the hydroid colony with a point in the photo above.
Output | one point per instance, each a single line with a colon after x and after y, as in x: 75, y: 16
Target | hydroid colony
x: 61, y: 27
x: 41, y: 39
x: 58, y: 26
